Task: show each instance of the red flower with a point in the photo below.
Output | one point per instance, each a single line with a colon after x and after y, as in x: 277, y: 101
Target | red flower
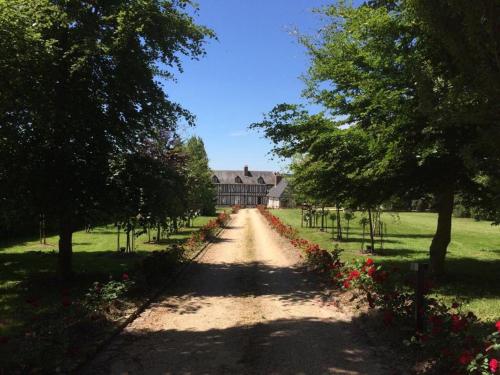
x: 457, y: 323
x: 493, y: 365
x: 371, y: 271
x: 369, y: 262
x: 465, y: 358
x: 437, y: 323
x: 125, y: 276
x: 498, y: 326
x: 354, y: 275
x: 455, y: 305
x: 347, y: 284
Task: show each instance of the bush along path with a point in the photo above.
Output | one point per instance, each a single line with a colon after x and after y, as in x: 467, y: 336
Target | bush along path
x: 450, y: 342
x: 61, y: 340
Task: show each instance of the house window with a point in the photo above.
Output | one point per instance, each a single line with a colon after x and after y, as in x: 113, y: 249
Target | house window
x: 261, y: 180
x: 215, y: 180
x: 238, y: 180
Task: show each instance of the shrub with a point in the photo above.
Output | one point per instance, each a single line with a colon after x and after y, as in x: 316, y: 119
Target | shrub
x: 104, y: 293
x: 207, y: 232
x: 159, y: 264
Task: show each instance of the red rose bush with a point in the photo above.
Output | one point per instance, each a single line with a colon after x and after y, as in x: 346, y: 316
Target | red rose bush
x: 448, y: 336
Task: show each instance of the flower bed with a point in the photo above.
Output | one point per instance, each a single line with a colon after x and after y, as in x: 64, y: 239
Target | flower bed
x: 208, y: 232
x: 449, y: 339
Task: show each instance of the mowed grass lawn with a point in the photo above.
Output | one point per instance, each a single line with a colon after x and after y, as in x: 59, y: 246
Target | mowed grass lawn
x: 28, y: 270
x: 473, y: 260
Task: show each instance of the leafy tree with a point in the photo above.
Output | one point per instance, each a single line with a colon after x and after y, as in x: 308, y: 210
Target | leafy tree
x: 348, y: 216
x: 149, y: 186
x: 378, y: 72
x: 201, y: 193
x: 79, y: 85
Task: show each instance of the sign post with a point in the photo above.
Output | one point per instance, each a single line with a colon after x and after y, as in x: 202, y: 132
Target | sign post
x: 421, y: 272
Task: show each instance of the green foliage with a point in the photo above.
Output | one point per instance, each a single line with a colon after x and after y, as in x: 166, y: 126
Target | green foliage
x: 159, y: 265
x: 105, y: 293
x: 397, y: 113
x: 473, y: 255
x: 201, y: 193
x: 80, y: 87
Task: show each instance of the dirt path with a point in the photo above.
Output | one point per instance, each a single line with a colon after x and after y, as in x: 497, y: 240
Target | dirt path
x: 244, y: 308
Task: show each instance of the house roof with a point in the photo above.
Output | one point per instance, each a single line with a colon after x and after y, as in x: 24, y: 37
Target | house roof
x: 228, y: 177
x: 278, y: 190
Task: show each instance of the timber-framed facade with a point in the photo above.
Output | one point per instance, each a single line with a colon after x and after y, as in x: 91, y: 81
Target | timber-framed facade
x: 244, y: 187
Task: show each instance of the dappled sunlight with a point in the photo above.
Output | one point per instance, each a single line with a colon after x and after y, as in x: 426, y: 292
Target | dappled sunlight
x: 282, y: 346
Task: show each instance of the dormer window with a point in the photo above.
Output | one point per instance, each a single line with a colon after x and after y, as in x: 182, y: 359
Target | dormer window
x: 261, y: 181
x: 238, y: 180
x: 215, y: 180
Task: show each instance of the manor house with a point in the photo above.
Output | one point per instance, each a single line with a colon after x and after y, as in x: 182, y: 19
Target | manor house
x: 247, y: 188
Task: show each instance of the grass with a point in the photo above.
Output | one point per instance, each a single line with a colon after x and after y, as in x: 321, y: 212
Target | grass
x: 473, y: 259
x: 28, y: 270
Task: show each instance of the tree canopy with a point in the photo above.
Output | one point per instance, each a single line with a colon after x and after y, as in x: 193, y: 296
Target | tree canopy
x: 201, y: 196
x: 80, y: 84
x: 401, y: 117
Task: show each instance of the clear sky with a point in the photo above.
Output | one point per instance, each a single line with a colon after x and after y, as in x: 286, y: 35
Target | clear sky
x: 255, y: 64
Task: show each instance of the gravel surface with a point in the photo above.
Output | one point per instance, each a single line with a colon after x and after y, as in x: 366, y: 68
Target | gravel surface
x: 245, y: 307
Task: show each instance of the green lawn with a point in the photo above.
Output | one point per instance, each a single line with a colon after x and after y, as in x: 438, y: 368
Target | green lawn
x: 473, y: 260
x: 28, y: 270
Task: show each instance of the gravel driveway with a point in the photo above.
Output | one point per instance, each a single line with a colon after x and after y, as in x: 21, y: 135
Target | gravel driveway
x: 244, y: 308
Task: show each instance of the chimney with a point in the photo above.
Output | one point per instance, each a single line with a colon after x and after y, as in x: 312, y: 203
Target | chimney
x: 245, y: 171
x: 277, y: 178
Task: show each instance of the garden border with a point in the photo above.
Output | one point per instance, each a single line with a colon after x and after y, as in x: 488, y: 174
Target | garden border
x: 133, y: 316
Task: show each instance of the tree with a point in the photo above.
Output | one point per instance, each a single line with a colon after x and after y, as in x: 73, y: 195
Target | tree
x: 201, y: 193
x: 149, y: 186
x: 377, y: 71
x: 79, y: 85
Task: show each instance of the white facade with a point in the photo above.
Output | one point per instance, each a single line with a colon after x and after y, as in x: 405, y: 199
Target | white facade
x: 273, y: 203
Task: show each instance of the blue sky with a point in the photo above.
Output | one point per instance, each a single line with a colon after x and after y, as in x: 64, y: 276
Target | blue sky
x: 255, y: 64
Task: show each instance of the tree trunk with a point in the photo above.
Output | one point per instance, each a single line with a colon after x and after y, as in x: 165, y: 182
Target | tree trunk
x: 118, y: 238
x: 65, y: 267
x: 442, y: 237
x: 322, y: 218
x: 370, y: 223
x: 339, y: 225
x: 363, y: 240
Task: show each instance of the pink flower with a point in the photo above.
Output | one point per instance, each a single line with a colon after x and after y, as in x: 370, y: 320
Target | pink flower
x: 493, y: 365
